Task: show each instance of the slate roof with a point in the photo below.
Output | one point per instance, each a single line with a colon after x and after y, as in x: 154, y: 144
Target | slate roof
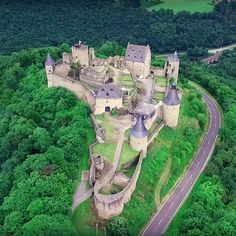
x: 108, y: 91
x: 139, y: 130
x: 173, y: 57
x: 49, y: 61
x: 172, y: 98
x: 136, y: 53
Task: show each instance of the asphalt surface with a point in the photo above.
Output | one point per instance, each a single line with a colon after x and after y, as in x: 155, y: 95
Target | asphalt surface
x: 165, y: 214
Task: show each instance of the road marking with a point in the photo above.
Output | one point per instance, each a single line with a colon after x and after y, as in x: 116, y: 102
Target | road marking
x: 204, y: 152
x: 160, y: 221
x: 208, y: 142
x: 182, y: 189
x: 171, y: 204
x: 191, y: 176
x: 198, y: 164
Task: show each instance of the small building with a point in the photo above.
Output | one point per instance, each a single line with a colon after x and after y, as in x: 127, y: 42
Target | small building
x: 171, y: 105
x: 139, y: 136
x: 138, y: 60
x: 213, y: 59
x: 172, y: 66
x: 108, y: 96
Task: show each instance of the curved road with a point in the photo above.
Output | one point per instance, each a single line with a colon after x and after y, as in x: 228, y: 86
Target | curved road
x: 163, y: 217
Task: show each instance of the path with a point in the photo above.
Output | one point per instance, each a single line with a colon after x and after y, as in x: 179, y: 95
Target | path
x: 163, y: 217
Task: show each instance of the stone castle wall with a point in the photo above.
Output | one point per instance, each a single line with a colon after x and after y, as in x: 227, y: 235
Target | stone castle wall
x: 112, y: 205
x: 79, y: 89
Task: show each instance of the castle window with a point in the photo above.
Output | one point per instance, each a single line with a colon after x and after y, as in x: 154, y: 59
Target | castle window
x: 103, y: 90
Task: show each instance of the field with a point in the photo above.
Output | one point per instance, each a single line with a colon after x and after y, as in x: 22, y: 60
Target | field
x: 108, y: 151
x: 191, y: 6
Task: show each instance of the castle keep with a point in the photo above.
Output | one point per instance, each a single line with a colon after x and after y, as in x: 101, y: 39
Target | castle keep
x: 130, y: 103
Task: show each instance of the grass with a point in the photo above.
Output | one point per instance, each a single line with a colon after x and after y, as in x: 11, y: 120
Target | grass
x: 85, y: 220
x: 106, y: 150
x: 127, y: 82
x: 158, y: 96
x: 111, y: 132
x: 161, y: 81
x: 128, y: 154
x: 191, y: 6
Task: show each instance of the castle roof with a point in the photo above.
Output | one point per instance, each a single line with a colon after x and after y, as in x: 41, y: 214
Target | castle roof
x: 172, y: 98
x: 49, y: 61
x: 173, y: 57
x: 108, y: 91
x: 139, y: 130
x: 136, y: 53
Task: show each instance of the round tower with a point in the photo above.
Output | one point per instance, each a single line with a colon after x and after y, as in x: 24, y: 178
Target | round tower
x: 171, y: 106
x: 49, y: 64
x: 139, y: 136
x: 49, y: 67
x: 172, y: 66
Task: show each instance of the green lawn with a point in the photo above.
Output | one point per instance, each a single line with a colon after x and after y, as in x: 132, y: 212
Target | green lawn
x: 161, y: 81
x: 85, y: 220
x: 107, y: 150
x: 158, y: 96
x: 128, y: 154
x: 184, y: 5
x: 111, y: 132
x: 127, y: 82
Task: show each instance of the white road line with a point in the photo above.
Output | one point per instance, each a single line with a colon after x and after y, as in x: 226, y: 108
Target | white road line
x: 191, y: 176
x: 204, y: 152
x: 182, y: 189
x: 171, y: 204
x: 208, y: 142
x: 160, y: 221
x: 198, y: 164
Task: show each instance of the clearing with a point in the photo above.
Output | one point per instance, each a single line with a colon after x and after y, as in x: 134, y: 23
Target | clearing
x: 191, y: 6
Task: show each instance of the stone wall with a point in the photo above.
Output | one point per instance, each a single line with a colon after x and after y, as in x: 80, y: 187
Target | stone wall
x: 112, y: 205
x: 158, y: 71
x: 79, y: 89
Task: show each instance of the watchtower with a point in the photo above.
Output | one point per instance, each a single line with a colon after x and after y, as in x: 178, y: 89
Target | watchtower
x: 139, y: 136
x: 171, y: 105
x: 80, y: 53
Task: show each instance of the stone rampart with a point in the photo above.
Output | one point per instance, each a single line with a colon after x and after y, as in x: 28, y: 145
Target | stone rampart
x: 78, y: 88
x: 155, y: 132
x: 112, y: 205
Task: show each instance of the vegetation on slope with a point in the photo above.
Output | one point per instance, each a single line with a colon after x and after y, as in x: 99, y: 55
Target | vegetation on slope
x: 44, y: 136
x: 30, y: 23
x: 212, y: 208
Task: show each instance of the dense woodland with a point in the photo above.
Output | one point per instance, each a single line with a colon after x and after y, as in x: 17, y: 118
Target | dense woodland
x: 30, y: 23
x: 212, y: 209
x: 44, y: 134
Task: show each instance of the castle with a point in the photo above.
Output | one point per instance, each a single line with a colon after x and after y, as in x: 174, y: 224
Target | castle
x: 125, y: 87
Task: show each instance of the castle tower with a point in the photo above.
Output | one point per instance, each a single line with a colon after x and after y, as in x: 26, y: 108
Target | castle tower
x: 171, y: 105
x: 80, y: 53
x: 49, y: 67
x: 139, y: 136
x: 172, y: 66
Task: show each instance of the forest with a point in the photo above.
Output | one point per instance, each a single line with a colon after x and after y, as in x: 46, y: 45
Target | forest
x: 30, y: 23
x: 212, y: 206
x: 44, y: 134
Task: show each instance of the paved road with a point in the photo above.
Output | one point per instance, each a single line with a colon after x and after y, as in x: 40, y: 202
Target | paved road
x: 163, y: 217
